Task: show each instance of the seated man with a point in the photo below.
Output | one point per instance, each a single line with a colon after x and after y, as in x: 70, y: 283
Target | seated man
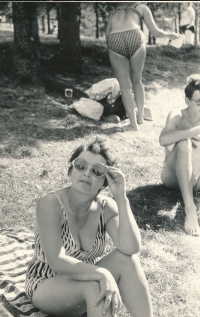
x: 181, y: 139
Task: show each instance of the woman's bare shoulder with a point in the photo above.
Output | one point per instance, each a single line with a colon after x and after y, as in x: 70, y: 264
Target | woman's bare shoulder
x: 48, y: 203
x: 47, y: 197
x: 142, y: 8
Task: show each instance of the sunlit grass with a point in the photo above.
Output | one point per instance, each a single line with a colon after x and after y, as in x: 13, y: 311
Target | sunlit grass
x: 38, y: 132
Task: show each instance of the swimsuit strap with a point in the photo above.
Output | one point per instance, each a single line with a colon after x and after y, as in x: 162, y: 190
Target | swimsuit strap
x: 103, y: 203
x: 61, y: 205
x: 136, y: 10
x: 59, y: 200
x: 136, y: 5
x: 102, y: 227
x: 131, y: 9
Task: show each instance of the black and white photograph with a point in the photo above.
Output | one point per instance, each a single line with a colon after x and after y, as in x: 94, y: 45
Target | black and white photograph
x: 99, y: 159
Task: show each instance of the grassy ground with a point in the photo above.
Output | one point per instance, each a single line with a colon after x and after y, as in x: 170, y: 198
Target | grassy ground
x: 38, y: 132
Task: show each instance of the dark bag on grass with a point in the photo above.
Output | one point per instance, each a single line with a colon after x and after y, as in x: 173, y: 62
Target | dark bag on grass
x: 117, y: 108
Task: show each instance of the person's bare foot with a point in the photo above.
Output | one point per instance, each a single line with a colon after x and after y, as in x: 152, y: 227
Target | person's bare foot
x: 140, y: 117
x: 140, y: 120
x: 129, y: 127
x: 191, y: 225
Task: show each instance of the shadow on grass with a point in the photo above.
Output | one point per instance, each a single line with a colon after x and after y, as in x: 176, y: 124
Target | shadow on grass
x: 157, y: 208
x: 72, y: 133
x: 22, y: 130
x: 29, y: 116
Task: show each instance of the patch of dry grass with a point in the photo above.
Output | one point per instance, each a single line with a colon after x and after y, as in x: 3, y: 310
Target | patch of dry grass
x: 38, y: 132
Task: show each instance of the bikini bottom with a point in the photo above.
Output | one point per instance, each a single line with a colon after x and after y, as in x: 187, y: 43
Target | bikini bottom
x: 126, y: 43
x: 183, y: 28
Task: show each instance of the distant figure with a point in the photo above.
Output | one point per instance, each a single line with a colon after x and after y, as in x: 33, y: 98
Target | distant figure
x: 181, y: 139
x: 187, y: 23
x: 127, y: 52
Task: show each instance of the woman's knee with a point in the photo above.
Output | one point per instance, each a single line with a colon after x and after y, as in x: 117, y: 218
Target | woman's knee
x: 126, y: 88
x: 137, y: 80
x: 124, y: 260
x: 130, y: 263
x: 91, y: 290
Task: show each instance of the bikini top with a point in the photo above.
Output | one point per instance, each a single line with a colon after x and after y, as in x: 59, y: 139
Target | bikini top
x: 131, y: 9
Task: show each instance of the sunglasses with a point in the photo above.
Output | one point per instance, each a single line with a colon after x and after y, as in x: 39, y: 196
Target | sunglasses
x: 98, y: 169
x: 196, y: 101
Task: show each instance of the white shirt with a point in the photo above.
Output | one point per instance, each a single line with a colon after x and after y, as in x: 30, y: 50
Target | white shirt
x: 188, y: 16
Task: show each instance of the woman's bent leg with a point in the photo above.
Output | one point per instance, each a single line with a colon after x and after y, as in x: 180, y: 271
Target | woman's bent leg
x: 62, y: 296
x: 131, y: 280
x: 136, y: 65
x: 121, y: 69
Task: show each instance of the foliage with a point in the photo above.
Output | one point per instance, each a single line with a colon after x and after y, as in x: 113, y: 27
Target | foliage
x: 5, y: 8
x: 88, y: 17
x: 185, y: 53
x: 26, y: 51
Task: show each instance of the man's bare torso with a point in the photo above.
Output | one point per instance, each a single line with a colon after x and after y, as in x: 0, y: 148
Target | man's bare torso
x: 184, y: 121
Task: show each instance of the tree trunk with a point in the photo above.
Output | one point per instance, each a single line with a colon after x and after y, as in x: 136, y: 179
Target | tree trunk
x: 97, y: 20
x: 70, y: 45
x: 199, y: 30
x: 34, y: 23
x: 196, y: 35
x: 26, y: 58
x: 43, y: 24
x: 58, y: 19
x: 175, y: 23
x: 48, y: 20
x: 179, y: 16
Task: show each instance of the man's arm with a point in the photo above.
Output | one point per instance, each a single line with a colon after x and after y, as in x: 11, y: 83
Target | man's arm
x: 171, y: 134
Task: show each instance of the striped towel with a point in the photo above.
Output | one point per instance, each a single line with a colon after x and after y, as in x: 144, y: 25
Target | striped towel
x: 16, y: 251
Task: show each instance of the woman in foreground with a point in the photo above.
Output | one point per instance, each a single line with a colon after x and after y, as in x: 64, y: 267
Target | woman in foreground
x: 66, y: 276
x: 127, y: 52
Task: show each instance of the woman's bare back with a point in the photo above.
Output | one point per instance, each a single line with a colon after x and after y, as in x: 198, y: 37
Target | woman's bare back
x: 124, y: 18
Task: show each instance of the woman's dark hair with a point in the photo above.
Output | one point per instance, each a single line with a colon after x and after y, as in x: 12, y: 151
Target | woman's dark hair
x: 97, y: 145
x: 193, y: 83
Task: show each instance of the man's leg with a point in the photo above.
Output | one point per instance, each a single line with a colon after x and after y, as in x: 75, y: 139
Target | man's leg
x: 179, y: 171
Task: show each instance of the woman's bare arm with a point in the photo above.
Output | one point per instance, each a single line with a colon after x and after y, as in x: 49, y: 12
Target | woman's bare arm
x: 122, y: 227
x: 151, y: 25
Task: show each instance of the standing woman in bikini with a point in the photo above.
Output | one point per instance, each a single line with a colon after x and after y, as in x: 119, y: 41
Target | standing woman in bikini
x: 127, y: 52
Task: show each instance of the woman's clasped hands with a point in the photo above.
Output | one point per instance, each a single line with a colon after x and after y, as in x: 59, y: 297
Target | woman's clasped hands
x: 109, y: 293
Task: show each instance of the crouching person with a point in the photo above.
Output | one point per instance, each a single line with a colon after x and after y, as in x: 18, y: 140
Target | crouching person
x: 181, y: 139
x: 66, y: 276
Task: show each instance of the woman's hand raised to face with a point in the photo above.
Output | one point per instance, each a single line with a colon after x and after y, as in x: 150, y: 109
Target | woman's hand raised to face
x: 116, y: 181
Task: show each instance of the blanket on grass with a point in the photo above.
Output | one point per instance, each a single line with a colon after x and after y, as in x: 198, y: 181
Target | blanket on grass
x: 16, y: 251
